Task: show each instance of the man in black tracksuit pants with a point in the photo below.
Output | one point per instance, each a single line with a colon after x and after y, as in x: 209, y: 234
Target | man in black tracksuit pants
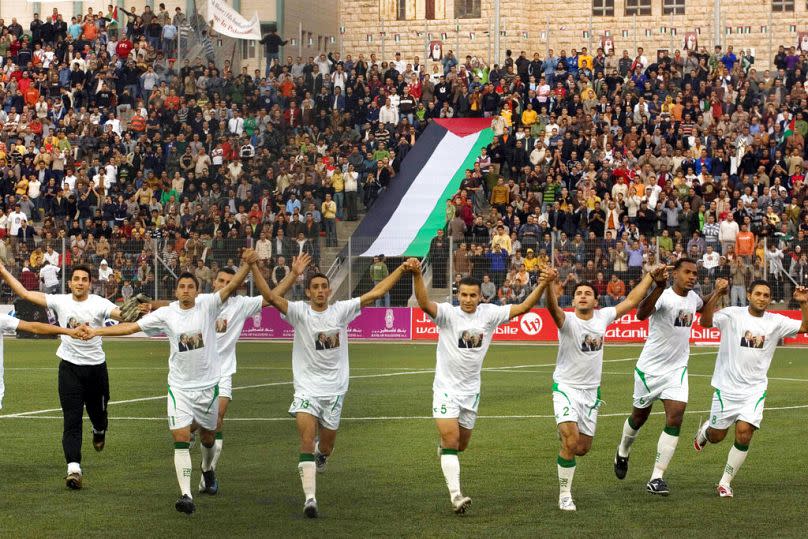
x: 83, y: 378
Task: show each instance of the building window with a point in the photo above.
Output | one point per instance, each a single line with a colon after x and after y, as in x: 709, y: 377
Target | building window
x: 639, y: 7
x: 673, y: 7
x: 782, y: 5
x: 603, y: 8
x: 401, y: 10
x: 467, y: 9
x: 430, y: 9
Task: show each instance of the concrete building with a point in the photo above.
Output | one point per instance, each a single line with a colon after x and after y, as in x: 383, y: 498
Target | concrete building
x: 480, y: 28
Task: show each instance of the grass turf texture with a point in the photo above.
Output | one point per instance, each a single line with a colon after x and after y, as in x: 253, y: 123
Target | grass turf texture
x: 384, y: 478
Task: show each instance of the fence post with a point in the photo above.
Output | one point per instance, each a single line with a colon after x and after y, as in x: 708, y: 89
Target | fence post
x: 552, y: 250
x: 252, y: 279
x: 64, y: 263
x: 156, y: 269
x: 451, y: 268
x: 765, y: 259
x: 349, y: 264
x: 658, y: 252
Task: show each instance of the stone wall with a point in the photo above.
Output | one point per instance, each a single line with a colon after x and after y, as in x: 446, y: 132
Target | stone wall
x: 533, y: 26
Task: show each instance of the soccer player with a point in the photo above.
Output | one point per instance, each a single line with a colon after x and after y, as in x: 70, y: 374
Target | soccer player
x: 661, y: 371
x: 319, y: 367
x: 464, y: 335
x: 576, y: 380
x: 235, y: 312
x: 749, y: 337
x: 194, y: 368
x: 83, y: 377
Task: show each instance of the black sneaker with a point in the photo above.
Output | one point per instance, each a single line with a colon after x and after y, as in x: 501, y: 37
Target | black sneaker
x: 320, y: 462
x: 185, y: 504
x: 658, y: 486
x: 99, y: 439
x: 211, y: 483
x: 620, y: 466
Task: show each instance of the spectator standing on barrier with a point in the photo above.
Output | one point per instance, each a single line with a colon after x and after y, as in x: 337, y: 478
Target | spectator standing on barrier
x: 378, y: 273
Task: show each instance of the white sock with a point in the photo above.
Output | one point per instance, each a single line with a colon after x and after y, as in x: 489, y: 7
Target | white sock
x: 734, y: 462
x: 666, y: 446
x: 629, y: 434
x: 217, y: 446
x: 207, y: 457
x: 182, y: 464
x: 308, y: 475
x: 73, y: 467
x: 450, y: 465
x: 565, y: 475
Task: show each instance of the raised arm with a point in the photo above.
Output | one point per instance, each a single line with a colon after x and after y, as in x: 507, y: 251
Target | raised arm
x: 801, y: 296
x: 708, y: 309
x: 247, y: 259
x: 274, y: 296
x: 384, y: 286
x: 16, y: 286
x: 658, y: 273
x: 547, y: 277
x: 552, y: 305
x: 647, y: 306
x: 299, y: 265
x: 427, y: 305
x: 118, y: 330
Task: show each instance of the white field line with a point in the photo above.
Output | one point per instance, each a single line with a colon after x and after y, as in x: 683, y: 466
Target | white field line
x: 361, y: 376
x: 391, y: 418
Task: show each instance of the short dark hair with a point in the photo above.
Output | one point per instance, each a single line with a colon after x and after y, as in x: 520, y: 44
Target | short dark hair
x: 471, y: 281
x: 188, y: 275
x: 82, y: 267
x: 316, y: 275
x: 759, y: 282
x: 586, y: 284
x: 229, y: 271
x: 683, y: 260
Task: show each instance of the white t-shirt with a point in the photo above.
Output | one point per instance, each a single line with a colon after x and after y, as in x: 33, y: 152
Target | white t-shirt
x: 668, y: 345
x: 71, y: 313
x: 580, y: 349
x: 229, y: 324
x: 320, y: 347
x: 49, y: 275
x: 15, y: 220
x: 7, y: 324
x: 746, y: 349
x: 463, y: 340
x: 193, y: 362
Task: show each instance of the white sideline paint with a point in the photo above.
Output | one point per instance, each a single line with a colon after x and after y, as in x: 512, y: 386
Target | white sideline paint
x: 393, y: 418
x: 358, y: 377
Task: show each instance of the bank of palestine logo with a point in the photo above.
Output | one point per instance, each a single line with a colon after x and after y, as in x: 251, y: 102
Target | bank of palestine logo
x: 531, y: 324
x: 389, y: 319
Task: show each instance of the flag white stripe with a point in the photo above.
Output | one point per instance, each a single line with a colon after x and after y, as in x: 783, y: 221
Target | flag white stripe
x: 423, y: 195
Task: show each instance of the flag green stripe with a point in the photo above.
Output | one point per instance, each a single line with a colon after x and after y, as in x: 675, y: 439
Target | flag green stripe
x: 437, y: 217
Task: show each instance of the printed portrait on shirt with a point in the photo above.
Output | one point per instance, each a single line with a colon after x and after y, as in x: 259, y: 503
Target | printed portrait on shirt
x: 191, y: 341
x: 591, y: 343
x: 472, y: 338
x: 326, y: 341
x: 684, y: 319
x: 750, y: 340
x: 221, y: 325
x: 73, y: 322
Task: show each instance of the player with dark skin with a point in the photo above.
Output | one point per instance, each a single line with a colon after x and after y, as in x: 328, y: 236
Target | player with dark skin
x: 685, y: 276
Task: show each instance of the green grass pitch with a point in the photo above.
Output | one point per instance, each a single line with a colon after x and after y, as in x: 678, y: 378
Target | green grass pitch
x: 384, y: 478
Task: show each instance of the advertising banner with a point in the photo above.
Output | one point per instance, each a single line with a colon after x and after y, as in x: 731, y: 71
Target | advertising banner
x: 374, y: 323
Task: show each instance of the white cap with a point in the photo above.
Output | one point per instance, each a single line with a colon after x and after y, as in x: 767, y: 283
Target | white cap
x: 104, y: 262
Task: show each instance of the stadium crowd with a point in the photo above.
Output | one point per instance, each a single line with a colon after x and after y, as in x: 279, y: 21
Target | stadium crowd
x: 111, y: 154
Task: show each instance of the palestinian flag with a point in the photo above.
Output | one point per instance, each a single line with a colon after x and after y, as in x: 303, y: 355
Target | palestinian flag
x: 408, y: 214
x: 790, y: 129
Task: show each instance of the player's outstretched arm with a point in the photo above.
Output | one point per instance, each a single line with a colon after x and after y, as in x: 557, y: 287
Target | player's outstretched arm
x: 708, y: 309
x: 247, y: 259
x: 548, y: 275
x: 552, y: 305
x: 37, y: 298
x: 299, y: 265
x: 801, y: 297
x: 657, y: 274
x: 118, y: 330
x: 46, y: 329
x: 426, y: 304
x: 384, y: 286
x: 271, y: 297
x: 647, y: 306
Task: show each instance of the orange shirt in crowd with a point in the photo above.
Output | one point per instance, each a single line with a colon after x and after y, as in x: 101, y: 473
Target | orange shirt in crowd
x: 745, y: 244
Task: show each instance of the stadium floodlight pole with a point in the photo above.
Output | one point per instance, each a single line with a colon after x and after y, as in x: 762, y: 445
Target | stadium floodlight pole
x: 496, y: 32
